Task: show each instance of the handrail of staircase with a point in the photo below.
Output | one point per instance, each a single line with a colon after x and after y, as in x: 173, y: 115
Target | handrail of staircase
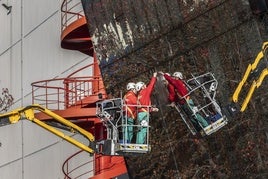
x: 71, y: 11
x: 69, y: 171
x: 83, y: 68
x: 61, y: 93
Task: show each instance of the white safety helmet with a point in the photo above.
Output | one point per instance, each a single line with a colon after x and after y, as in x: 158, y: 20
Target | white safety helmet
x: 178, y: 75
x: 139, y: 85
x: 131, y: 86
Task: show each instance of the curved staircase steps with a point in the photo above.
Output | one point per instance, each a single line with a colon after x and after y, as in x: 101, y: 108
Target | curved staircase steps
x: 76, y: 37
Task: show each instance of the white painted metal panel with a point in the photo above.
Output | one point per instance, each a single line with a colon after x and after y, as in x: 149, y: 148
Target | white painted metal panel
x: 16, y: 21
x: 5, y: 30
x: 38, y: 12
x: 36, y: 138
x: 15, y: 73
x: 48, y: 152
x: 11, y: 143
x: 10, y: 25
x: 30, y: 51
x: 5, y: 70
x: 46, y: 164
x: 12, y: 170
x: 43, y: 57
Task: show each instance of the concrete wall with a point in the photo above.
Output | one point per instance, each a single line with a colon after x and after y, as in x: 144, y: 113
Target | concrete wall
x: 30, y: 51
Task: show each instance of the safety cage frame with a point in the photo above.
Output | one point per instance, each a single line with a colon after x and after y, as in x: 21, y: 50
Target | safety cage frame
x: 112, y: 113
x: 202, y: 90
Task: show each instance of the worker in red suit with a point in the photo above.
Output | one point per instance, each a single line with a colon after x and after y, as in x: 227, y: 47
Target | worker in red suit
x: 130, y: 101
x: 184, y: 99
x: 144, y: 102
x: 172, y: 96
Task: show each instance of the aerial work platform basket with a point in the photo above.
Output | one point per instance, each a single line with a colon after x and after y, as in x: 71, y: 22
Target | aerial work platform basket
x: 202, y: 91
x: 112, y: 114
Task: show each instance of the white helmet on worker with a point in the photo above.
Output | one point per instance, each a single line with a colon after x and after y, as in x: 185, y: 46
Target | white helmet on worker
x: 139, y: 85
x: 131, y: 86
x: 178, y: 75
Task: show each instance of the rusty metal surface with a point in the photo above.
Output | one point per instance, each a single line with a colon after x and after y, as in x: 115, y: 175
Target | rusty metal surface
x: 134, y: 38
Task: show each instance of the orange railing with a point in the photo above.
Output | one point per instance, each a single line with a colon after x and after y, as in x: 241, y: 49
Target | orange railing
x: 77, y: 89
x: 72, y: 10
x: 62, y: 93
x: 83, y: 170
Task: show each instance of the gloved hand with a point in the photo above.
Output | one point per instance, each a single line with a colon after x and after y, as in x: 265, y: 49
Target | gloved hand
x: 195, y: 109
x: 144, y: 123
x: 155, y: 109
x: 161, y: 73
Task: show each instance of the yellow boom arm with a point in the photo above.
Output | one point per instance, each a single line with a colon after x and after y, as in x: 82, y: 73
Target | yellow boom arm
x: 28, y: 113
x: 256, y: 83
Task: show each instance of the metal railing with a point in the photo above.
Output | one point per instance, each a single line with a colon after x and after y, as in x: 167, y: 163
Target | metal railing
x: 62, y: 93
x: 71, y: 10
x: 85, y: 168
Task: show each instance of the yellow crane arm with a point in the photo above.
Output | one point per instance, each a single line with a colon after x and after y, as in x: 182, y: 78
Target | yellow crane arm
x: 254, y: 85
x: 250, y: 68
x: 241, y: 84
x: 28, y: 112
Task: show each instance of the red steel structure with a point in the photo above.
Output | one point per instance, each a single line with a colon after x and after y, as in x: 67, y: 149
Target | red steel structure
x: 75, y: 97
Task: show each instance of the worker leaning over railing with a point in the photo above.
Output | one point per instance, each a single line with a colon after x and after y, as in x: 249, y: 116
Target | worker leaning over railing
x: 144, y: 99
x: 184, y: 100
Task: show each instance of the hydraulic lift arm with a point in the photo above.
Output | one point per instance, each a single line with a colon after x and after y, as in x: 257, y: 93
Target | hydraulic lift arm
x: 28, y: 113
x: 256, y: 83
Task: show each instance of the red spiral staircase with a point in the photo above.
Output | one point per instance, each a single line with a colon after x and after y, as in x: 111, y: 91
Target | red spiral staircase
x: 75, y: 97
x: 74, y: 30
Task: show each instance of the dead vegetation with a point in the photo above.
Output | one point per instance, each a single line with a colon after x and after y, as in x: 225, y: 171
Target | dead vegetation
x: 220, y: 36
